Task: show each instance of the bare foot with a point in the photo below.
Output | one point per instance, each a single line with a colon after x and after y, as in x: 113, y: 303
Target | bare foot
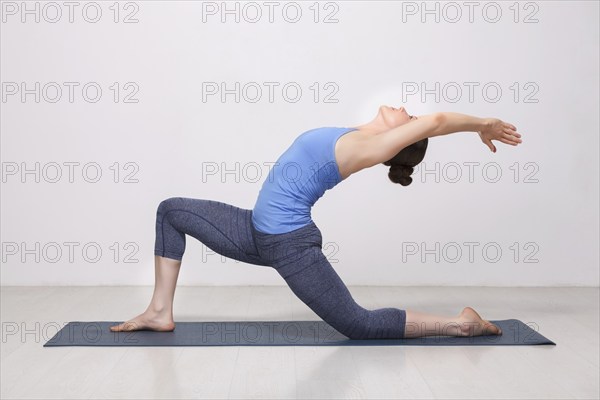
x: 148, y: 320
x: 472, y: 324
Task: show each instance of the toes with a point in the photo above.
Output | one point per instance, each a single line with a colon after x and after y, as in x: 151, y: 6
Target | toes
x: 131, y: 326
x: 117, y: 328
x: 124, y: 327
x: 142, y: 325
x: 498, y: 330
x: 491, y: 329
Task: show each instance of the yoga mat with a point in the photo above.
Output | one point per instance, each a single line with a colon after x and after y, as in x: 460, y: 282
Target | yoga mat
x: 274, y: 333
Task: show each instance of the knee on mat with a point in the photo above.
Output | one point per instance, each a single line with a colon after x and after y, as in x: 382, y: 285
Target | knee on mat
x: 357, y: 330
x: 357, y: 334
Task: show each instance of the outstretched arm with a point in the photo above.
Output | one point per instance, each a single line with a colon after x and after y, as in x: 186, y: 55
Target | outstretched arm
x: 386, y: 145
x: 451, y: 122
x: 488, y: 128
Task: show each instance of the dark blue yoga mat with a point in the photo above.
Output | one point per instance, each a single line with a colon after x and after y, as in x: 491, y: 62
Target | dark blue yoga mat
x: 274, y: 333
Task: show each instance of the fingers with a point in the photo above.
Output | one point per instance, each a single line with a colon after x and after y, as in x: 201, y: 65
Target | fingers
x: 512, y: 136
x: 490, y: 145
x: 507, y: 134
x: 507, y: 141
x: 511, y: 131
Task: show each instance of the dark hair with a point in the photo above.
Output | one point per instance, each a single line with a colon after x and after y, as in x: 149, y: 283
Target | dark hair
x: 401, y: 165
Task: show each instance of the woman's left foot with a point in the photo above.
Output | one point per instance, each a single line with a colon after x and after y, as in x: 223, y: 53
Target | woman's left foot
x: 471, y: 324
x: 148, y: 320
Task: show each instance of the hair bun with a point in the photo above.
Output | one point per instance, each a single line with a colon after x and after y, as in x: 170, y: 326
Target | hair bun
x: 401, y: 174
x: 401, y: 165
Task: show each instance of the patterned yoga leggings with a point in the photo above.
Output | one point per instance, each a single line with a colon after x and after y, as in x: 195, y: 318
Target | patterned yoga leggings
x: 295, y: 255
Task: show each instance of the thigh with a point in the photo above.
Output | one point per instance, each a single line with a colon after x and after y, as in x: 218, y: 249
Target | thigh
x: 222, y: 227
x: 314, y: 281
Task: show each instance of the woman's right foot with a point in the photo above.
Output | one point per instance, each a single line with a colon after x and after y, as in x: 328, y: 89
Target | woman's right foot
x: 472, y: 324
x: 148, y: 320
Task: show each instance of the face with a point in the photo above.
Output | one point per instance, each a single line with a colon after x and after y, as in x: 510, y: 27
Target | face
x: 393, y: 117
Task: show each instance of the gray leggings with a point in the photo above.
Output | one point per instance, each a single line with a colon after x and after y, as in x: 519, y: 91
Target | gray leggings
x: 295, y: 255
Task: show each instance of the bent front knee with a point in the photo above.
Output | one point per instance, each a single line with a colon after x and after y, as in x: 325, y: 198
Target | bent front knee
x: 169, y: 204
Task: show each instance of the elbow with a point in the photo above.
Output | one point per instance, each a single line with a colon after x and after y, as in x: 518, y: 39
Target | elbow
x: 439, y: 121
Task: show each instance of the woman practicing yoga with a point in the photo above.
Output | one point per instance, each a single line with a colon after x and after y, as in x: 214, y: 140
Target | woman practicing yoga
x: 279, y: 232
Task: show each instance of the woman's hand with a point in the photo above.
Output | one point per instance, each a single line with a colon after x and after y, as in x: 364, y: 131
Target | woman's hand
x: 496, y: 129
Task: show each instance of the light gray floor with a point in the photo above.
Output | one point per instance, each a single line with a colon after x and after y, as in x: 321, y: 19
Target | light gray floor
x: 31, y: 315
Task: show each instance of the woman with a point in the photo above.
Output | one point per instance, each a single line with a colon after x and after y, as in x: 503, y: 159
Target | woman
x: 279, y: 232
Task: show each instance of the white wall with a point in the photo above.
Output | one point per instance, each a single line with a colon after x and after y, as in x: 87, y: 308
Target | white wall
x: 375, y: 232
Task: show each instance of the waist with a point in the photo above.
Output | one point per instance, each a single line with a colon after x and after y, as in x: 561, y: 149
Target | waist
x: 272, y: 220
x: 280, y: 246
x: 307, y: 235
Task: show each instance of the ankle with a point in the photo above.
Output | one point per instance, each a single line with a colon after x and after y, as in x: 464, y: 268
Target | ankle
x: 463, y: 325
x: 161, y: 309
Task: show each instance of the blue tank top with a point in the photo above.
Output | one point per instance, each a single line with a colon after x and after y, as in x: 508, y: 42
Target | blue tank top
x: 300, y: 176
